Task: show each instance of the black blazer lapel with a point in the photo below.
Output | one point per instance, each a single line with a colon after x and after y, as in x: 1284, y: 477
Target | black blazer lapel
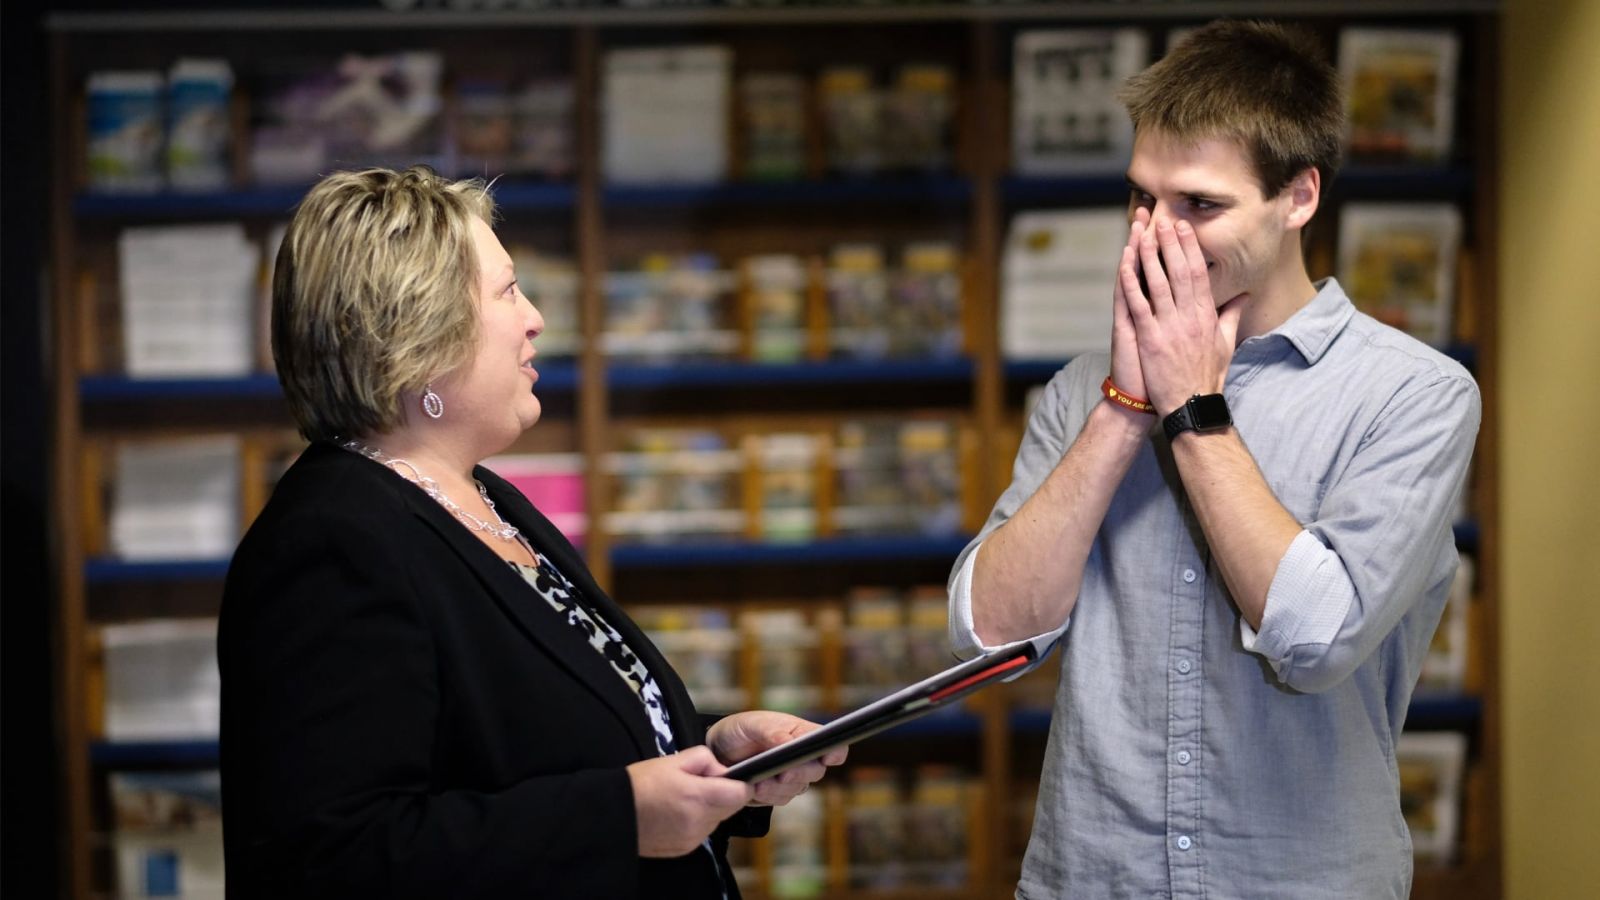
x: 523, y: 607
x: 686, y: 726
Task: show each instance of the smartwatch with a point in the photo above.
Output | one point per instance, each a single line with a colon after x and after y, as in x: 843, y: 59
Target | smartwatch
x: 1202, y: 412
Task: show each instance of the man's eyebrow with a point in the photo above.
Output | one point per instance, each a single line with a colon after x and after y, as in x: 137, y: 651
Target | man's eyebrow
x: 1132, y: 185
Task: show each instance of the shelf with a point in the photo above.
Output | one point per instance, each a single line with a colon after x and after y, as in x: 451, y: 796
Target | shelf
x: 349, y: 16
x: 115, y: 754
x: 553, y: 376
x: 819, y: 552
x: 945, y: 190
x: 1088, y: 189
x: 1402, y: 182
x: 745, y: 375
x: 280, y: 202
x: 105, y: 570
x: 1039, y: 371
x: 892, y: 548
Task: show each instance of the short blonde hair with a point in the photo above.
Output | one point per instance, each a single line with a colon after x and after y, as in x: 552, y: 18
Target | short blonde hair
x: 373, y: 296
x: 1265, y: 85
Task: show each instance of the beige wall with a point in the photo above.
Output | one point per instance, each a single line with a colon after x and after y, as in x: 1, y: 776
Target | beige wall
x: 1549, y: 391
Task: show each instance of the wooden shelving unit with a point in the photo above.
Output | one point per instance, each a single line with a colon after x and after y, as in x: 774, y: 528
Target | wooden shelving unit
x: 590, y: 399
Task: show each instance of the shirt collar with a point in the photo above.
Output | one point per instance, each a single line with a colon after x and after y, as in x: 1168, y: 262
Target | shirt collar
x: 1314, y: 327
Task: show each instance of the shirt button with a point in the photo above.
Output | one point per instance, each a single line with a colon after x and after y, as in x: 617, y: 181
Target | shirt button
x: 1183, y: 666
x: 1188, y: 576
x: 1183, y: 757
x: 1184, y: 843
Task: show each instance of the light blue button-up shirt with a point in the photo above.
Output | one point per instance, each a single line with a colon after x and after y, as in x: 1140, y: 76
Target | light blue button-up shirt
x: 1189, y: 755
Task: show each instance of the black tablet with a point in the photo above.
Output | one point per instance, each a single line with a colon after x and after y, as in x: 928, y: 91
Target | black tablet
x: 901, y: 706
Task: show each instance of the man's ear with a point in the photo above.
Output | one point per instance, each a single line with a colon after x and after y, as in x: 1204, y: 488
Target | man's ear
x: 1303, y: 196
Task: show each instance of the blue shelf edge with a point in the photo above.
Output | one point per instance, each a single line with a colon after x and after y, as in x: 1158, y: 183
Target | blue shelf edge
x: 555, y: 376
x: 711, y: 374
x: 281, y: 201
x: 163, y: 752
x: 107, y: 570
x: 827, y: 550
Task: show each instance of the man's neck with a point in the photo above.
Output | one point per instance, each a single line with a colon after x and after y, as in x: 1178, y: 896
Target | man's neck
x: 1279, y: 298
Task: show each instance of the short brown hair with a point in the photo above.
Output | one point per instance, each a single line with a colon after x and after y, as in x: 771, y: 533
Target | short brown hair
x: 1266, y: 85
x: 373, y: 295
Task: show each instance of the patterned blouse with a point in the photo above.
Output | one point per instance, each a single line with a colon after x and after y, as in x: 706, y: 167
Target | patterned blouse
x: 563, y: 597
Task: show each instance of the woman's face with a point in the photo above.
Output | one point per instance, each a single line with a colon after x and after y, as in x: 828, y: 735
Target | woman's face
x: 492, y: 393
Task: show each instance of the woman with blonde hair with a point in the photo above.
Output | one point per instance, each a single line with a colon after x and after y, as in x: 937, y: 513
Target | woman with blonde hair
x: 425, y: 693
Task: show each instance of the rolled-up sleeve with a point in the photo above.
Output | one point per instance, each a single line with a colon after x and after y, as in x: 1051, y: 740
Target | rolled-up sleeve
x: 1057, y: 419
x: 1380, y: 543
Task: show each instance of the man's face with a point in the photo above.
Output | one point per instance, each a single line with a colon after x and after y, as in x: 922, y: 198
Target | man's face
x: 1212, y: 185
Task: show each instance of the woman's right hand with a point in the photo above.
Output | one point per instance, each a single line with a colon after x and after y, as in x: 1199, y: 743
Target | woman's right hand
x: 680, y: 799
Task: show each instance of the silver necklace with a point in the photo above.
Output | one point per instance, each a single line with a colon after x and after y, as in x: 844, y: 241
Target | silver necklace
x: 505, y: 531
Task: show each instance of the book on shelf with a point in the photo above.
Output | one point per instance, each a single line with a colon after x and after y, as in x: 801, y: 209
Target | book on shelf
x: 167, y: 833
x: 671, y: 308
x: 199, y: 124
x: 874, y: 644
x: 1444, y: 667
x: 786, y: 646
x: 313, y: 116
x: 124, y: 130
x: 908, y: 828
x: 858, y: 301
x: 895, y: 477
x: 799, y: 847
x: 772, y: 126
x: 1056, y: 279
x: 1400, y: 93
x: 786, y: 466
x: 665, y: 114
x: 1397, y: 261
x: 553, y: 483
x: 775, y: 298
x: 176, y: 499
x: 161, y: 680
x: 924, y: 313
x: 917, y: 114
x: 852, y: 120
x: 1431, y: 765
x: 543, y: 121
x: 703, y: 647
x: 1065, y: 116
x: 672, y: 485
x: 481, y: 122
x: 188, y: 300
x: 551, y: 283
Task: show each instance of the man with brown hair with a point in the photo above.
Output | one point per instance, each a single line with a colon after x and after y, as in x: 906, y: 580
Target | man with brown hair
x: 1238, y: 519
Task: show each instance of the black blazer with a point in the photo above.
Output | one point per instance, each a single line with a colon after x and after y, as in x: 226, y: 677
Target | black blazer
x: 403, y: 717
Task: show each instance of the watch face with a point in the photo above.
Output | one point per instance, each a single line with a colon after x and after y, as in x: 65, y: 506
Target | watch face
x: 1209, y: 411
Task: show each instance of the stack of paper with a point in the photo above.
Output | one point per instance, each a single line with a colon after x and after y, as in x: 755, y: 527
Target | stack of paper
x: 187, y: 296
x: 1056, y: 282
x: 1065, y: 116
x: 161, y: 679
x: 176, y: 499
x: 666, y: 114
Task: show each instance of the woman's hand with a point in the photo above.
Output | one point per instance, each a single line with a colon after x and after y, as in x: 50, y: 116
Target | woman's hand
x: 743, y: 735
x: 680, y: 799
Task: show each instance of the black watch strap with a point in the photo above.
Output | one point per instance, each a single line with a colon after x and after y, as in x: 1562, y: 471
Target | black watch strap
x: 1202, y: 412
